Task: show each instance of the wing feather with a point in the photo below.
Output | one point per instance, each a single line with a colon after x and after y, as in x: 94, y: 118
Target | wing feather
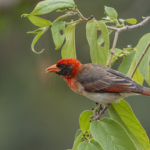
x: 98, y: 78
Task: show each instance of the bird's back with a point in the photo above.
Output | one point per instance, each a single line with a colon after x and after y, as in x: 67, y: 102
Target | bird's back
x: 98, y: 78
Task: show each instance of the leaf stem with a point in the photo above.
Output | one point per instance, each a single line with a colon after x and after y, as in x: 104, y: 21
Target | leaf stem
x: 81, y: 16
x: 140, y: 59
x: 77, y: 21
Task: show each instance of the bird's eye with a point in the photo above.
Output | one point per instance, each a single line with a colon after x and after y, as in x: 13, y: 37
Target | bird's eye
x: 62, y: 66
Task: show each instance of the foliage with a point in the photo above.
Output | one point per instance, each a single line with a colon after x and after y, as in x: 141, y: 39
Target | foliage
x: 122, y: 130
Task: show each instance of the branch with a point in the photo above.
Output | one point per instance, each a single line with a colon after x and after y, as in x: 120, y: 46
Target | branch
x: 113, y: 48
x: 118, y: 30
x: 141, y: 24
x: 140, y: 59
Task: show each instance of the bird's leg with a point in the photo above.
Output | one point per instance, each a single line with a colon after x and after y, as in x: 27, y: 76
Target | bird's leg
x: 97, y: 109
x: 95, y: 106
x: 100, y: 108
x: 97, y: 117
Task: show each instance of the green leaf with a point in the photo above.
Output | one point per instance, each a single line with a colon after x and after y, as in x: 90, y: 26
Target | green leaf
x: 148, y: 80
x: 78, y: 141
x: 40, y: 22
x: 117, y: 51
x: 131, y: 21
x: 98, y: 53
x: 57, y: 37
x: 122, y: 113
x: 126, y: 63
x: 36, y: 31
x: 68, y: 50
x: 100, y: 40
x: 138, y: 77
x: 111, y: 135
x: 131, y: 67
x: 111, y: 12
x: 94, y: 142
x: 122, y: 20
x: 48, y: 6
x: 77, y: 134
x: 84, y: 120
x: 144, y: 65
x: 60, y: 10
x: 115, y: 57
x: 40, y: 32
x: 127, y: 66
x: 93, y: 145
x: 105, y: 33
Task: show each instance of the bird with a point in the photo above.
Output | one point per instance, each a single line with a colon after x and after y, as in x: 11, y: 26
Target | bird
x: 97, y: 82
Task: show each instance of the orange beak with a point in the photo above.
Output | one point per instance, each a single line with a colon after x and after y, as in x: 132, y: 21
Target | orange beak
x: 52, y: 68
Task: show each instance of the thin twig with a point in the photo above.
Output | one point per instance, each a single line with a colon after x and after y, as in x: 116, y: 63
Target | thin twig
x: 141, y: 24
x: 140, y: 59
x: 113, y: 48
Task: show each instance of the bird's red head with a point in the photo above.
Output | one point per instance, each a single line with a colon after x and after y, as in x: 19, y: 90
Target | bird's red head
x: 65, y: 67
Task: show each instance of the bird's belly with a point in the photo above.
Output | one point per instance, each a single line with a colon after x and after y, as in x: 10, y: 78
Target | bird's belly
x: 103, y: 98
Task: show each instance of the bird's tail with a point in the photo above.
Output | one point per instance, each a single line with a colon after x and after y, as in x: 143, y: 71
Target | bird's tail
x: 146, y: 91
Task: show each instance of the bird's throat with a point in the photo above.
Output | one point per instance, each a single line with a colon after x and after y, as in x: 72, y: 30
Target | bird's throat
x: 73, y: 84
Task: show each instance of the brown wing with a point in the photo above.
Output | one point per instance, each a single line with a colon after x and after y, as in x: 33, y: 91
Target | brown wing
x: 98, y: 78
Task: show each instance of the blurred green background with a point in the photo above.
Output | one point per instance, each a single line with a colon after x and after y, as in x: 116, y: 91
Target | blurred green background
x: 38, y: 111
